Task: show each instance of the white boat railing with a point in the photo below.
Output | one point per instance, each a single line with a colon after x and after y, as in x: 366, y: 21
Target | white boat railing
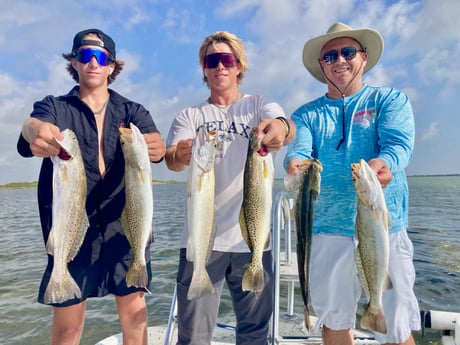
x: 285, y: 270
x: 447, y: 322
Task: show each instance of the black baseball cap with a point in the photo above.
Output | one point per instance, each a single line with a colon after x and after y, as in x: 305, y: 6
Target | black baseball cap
x: 107, y: 41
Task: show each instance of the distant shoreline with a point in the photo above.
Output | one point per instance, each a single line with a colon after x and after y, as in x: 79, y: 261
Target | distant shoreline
x: 24, y: 185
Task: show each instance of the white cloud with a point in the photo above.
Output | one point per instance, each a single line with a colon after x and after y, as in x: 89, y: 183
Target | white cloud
x: 159, y: 41
x: 430, y: 132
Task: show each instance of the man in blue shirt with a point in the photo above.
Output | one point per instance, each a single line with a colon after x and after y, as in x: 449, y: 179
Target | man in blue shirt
x: 95, y: 113
x: 354, y: 121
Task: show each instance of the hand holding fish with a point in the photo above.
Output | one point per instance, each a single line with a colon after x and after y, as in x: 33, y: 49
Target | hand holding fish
x: 42, y: 137
x: 384, y: 174
x: 293, y: 167
x: 178, y: 156
x: 276, y: 134
x: 155, y: 145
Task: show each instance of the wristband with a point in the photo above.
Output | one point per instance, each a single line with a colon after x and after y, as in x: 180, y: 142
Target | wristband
x: 286, y: 125
x: 158, y: 161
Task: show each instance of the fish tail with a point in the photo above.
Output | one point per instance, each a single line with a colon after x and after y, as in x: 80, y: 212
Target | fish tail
x: 137, y: 275
x: 253, y: 278
x: 201, y: 284
x: 61, y: 290
x: 374, y: 320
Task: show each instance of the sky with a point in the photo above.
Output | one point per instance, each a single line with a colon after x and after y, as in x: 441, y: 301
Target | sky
x: 159, y: 40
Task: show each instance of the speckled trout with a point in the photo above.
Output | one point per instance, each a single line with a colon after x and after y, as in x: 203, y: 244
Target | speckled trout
x: 304, y: 214
x: 70, y: 221
x: 200, y: 212
x: 256, y: 210
x: 372, y: 254
x: 137, y: 215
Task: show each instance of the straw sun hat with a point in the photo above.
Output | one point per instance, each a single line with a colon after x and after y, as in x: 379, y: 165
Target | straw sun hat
x: 370, y: 39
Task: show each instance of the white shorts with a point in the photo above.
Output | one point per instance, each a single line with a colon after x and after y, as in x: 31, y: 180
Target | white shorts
x: 335, y: 288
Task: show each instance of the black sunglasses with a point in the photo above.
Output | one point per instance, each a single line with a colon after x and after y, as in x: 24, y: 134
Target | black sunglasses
x: 227, y: 59
x: 84, y: 55
x: 348, y: 54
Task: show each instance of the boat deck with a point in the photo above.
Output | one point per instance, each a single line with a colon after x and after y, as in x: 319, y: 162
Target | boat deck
x: 293, y: 333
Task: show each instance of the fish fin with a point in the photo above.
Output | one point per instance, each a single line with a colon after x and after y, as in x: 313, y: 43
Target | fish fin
x: 142, y: 175
x: 374, y: 320
x: 200, y: 284
x: 306, y: 318
x: 376, y: 214
x: 387, y: 283
x: 266, y: 170
x: 61, y: 290
x: 137, y: 275
x: 50, y: 243
x: 253, y: 278
x: 199, y: 183
x: 267, y: 241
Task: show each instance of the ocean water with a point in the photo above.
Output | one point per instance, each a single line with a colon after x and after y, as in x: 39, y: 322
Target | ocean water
x: 434, y: 227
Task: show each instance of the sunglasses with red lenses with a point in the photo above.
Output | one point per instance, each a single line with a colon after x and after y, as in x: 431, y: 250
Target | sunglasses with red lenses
x: 84, y: 55
x: 227, y: 59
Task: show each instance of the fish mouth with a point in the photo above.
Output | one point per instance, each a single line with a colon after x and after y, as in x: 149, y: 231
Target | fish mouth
x: 262, y: 151
x: 126, y: 134
x: 305, y: 164
x: 355, y: 167
x: 124, y: 130
x: 64, y: 155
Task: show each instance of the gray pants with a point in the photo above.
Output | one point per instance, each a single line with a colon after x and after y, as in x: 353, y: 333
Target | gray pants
x: 197, y: 318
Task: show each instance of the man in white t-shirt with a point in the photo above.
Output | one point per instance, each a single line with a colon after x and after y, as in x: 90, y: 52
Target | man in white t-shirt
x: 232, y: 114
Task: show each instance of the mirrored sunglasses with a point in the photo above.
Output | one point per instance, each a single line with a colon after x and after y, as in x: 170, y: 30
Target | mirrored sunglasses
x: 212, y: 60
x: 84, y: 55
x: 348, y: 54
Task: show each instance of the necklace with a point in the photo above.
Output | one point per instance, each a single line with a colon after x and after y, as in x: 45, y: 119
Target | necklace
x: 99, y: 112
x: 223, y: 109
x: 227, y: 105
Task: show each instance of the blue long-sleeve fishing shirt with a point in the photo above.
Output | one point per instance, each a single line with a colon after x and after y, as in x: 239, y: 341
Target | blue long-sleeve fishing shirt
x: 379, y: 123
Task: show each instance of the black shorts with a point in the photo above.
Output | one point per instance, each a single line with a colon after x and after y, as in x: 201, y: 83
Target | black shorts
x: 100, y: 266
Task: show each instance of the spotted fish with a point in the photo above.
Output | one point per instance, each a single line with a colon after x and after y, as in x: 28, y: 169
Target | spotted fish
x: 70, y: 221
x: 304, y: 214
x: 137, y: 215
x: 256, y: 210
x: 372, y: 254
x: 200, y: 212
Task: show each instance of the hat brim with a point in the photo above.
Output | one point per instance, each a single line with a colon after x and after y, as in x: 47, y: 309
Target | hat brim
x: 370, y: 39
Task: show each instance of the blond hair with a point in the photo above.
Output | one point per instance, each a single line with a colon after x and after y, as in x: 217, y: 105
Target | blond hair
x: 236, y: 46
